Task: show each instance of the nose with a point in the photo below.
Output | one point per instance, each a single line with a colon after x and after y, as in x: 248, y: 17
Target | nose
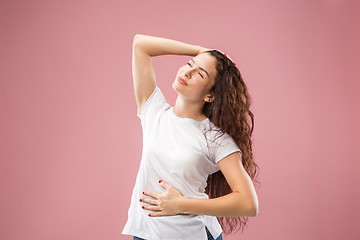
x: 189, y: 72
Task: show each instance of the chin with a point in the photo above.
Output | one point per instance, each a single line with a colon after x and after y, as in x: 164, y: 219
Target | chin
x: 174, y: 86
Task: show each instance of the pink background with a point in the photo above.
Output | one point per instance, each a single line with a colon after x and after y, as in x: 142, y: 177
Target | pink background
x: 70, y: 140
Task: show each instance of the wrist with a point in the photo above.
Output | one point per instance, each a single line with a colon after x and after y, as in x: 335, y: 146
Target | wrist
x: 203, y: 49
x: 200, y: 49
x: 181, y: 205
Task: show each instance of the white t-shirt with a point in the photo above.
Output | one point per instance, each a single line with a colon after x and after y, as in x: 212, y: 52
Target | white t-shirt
x: 175, y: 150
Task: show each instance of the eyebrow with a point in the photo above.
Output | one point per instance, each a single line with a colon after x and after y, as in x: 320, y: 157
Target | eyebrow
x: 201, y: 68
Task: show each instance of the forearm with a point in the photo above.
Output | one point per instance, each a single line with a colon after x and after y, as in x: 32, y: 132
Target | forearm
x: 155, y: 46
x: 230, y: 205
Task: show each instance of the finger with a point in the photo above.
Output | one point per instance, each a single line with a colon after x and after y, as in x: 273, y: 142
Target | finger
x: 227, y: 55
x: 151, y: 207
x: 152, y: 194
x: 165, y: 184
x: 230, y: 58
x: 220, y: 51
x: 152, y: 201
x: 157, y: 214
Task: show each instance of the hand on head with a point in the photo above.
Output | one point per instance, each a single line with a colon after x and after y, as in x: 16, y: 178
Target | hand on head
x: 203, y: 49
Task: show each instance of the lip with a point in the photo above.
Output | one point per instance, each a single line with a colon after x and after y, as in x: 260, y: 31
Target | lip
x: 182, y: 81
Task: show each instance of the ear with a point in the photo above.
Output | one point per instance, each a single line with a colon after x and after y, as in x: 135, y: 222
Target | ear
x: 209, y: 98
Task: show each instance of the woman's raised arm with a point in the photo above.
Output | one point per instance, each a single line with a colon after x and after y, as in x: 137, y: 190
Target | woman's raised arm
x: 144, y: 48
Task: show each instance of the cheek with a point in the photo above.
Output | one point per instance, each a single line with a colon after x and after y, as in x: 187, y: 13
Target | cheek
x: 200, y: 85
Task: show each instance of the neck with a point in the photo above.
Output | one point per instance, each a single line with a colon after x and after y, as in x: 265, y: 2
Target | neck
x: 185, y: 109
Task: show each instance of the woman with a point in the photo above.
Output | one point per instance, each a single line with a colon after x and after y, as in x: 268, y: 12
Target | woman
x: 196, y: 171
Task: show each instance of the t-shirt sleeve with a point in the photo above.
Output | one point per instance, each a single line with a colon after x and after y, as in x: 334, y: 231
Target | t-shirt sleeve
x: 153, y: 105
x: 225, y: 145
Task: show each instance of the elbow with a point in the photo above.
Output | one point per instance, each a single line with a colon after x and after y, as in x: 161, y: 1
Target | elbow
x: 136, y: 39
x: 254, y: 209
x: 250, y: 209
x: 136, y: 36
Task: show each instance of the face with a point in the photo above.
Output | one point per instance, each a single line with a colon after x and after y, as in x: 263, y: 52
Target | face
x: 199, y: 75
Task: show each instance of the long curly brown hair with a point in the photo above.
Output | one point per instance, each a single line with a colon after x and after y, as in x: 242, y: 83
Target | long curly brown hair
x: 230, y: 111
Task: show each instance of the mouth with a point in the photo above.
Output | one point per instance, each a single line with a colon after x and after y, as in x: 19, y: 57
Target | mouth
x: 182, y: 81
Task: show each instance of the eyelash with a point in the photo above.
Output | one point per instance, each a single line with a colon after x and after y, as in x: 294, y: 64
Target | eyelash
x: 199, y: 73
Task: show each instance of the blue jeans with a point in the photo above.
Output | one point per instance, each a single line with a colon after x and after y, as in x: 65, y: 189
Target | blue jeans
x: 207, y: 231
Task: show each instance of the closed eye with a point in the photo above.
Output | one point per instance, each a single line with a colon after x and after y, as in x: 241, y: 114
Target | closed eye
x: 199, y: 72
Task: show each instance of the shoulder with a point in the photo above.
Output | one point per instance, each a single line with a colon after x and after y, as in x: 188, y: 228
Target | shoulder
x: 153, y: 105
x: 214, y: 134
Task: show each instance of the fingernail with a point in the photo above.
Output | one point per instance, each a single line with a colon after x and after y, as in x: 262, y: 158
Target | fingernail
x: 160, y: 181
x: 143, y: 207
x: 140, y: 200
x: 143, y: 192
x: 149, y: 215
x: 235, y: 64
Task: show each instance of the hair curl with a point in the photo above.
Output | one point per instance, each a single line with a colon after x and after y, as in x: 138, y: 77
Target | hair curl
x: 230, y: 111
